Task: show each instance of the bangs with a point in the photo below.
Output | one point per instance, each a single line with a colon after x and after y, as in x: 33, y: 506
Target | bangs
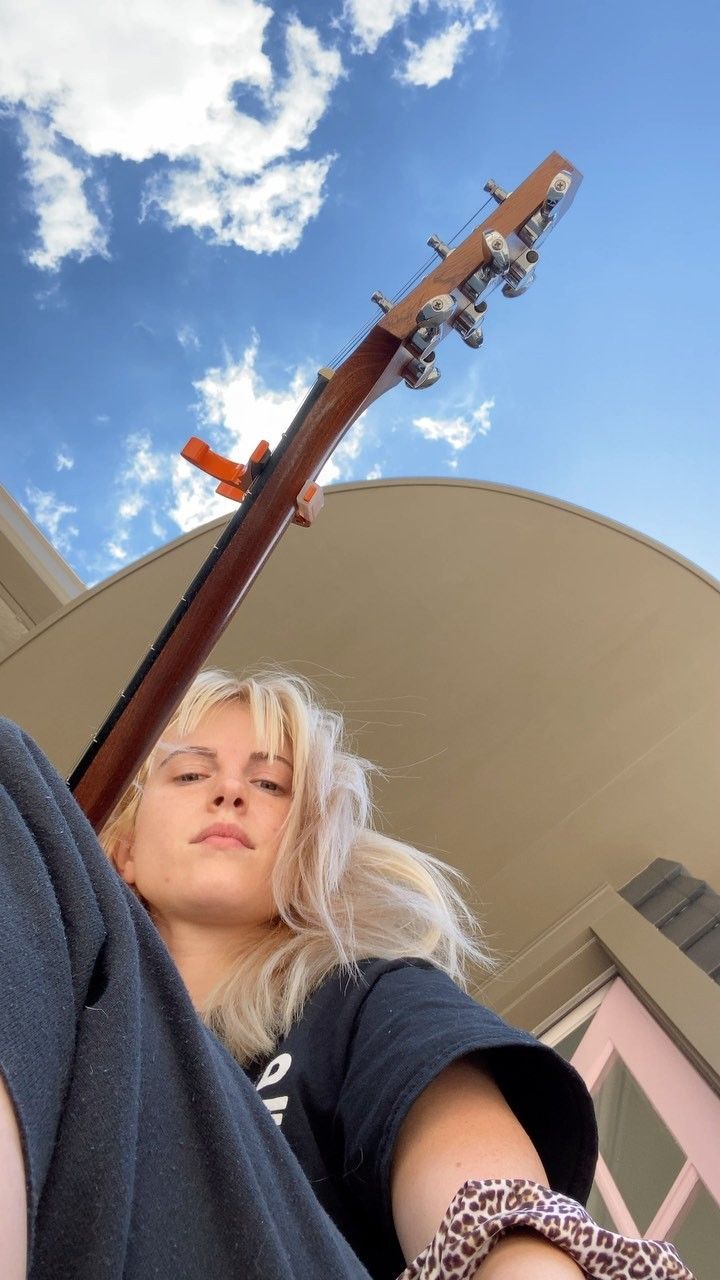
x: 269, y: 717
x: 276, y: 709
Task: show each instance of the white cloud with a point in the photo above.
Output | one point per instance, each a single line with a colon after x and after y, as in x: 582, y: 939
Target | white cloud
x: 131, y: 506
x: 194, y: 498
x: 159, y: 82
x: 236, y: 409
x: 67, y: 226
x: 63, y: 461
x: 436, y: 58
x: 49, y: 512
x: 341, y: 464
x: 144, y: 465
x: 458, y: 432
x: 188, y: 338
x: 266, y: 215
x: 49, y: 298
x: 235, y: 399
x: 117, y: 548
x: 433, y: 59
x: 375, y: 473
x: 370, y: 20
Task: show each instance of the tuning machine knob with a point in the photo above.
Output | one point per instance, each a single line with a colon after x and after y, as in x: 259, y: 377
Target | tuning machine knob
x: 556, y: 192
x: 467, y: 324
x: 442, y: 250
x: 497, y: 266
x: 384, y: 303
x: 499, y: 194
x: 499, y: 252
x: 521, y: 274
x: 474, y: 339
x: 430, y: 318
x: 540, y: 221
x: 421, y: 373
x: 436, y: 311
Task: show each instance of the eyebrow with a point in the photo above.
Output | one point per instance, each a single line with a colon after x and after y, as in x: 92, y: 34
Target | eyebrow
x: 209, y: 754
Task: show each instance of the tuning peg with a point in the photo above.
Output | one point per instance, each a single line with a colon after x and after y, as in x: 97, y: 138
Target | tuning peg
x: 423, y: 340
x: 467, y: 323
x: 430, y: 319
x: 433, y: 376
x: 474, y: 285
x: 474, y: 339
x: 419, y: 374
x: 499, y: 252
x: 384, y: 303
x: 521, y: 274
x: 517, y: 290
x: 499, y: 194
x: 436, y: 310
x: 439, y: 246
x: 540, y: 221
x: 497, y: 266
x: 556, y: 192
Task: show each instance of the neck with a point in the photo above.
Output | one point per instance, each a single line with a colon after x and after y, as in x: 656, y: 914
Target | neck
x: 204, y: 955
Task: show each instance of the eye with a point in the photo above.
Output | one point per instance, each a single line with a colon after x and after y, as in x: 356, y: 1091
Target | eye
x: 189, y: 777
x: 266, y: 784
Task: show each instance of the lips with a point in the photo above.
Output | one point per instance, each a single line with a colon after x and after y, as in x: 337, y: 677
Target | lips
x: 223, y: 831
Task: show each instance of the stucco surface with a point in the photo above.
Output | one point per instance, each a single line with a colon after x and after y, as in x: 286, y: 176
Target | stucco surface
x: 541, y: 686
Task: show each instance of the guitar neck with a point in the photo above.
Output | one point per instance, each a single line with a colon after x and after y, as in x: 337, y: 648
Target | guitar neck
x: 502, y: 251
x: 147, y: 703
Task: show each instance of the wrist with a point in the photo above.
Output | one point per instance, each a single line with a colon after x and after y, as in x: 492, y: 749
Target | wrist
x: 524, y: 1255
x: 480, y: 1239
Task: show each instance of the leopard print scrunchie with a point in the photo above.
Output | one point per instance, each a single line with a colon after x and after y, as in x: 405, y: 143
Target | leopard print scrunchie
x: 482, y: 1212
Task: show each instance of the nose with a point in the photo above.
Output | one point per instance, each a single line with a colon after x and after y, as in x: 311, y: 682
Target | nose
x: 230, y: 791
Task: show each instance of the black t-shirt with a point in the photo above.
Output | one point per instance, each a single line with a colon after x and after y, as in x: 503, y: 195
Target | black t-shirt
x: 340, y: 1084
x: 147, y: 1151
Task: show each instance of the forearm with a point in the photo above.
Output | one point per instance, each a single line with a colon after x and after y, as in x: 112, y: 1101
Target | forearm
x: 13, y: 1207
x: 525, y: 1255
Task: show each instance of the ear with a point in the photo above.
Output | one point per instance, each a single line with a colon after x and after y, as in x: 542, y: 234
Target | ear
x: 124, y: 860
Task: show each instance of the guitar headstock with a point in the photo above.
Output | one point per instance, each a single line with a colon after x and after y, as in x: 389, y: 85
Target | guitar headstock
x: 501, y: 252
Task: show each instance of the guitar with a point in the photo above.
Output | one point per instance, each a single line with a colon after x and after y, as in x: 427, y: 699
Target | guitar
x: 276, y: 487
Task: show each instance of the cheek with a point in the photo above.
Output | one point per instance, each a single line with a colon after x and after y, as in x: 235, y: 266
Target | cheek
x: 152, y: 839
x: 277, y: 825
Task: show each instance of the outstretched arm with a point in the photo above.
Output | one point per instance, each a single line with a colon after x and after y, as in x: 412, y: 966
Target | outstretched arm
x: 13, y: 1205
x: 462, y: 1128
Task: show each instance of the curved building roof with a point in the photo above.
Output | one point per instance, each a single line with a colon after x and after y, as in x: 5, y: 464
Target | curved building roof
x: 540, y: 685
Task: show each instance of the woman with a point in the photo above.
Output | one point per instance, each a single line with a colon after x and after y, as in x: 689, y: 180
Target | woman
x: 322, y: 957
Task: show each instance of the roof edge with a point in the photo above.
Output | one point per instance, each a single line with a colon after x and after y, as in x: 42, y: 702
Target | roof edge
x: 527, y: 495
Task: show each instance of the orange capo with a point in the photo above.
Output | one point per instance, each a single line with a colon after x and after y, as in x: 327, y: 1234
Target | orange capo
x: 236, y: 477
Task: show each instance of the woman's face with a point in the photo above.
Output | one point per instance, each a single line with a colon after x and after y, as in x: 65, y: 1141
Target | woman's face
x: 209, y: 824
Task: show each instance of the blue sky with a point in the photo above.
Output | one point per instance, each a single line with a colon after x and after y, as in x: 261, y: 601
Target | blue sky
x: 199, y: 200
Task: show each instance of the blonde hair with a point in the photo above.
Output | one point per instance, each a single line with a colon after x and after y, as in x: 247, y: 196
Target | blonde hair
x: 343, y: 891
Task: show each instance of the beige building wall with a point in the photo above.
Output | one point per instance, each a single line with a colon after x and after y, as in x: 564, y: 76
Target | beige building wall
x: 540, y: 685
x: 34, y: 580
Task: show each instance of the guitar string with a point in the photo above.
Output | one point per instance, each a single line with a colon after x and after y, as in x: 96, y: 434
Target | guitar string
x: 407, y: 285
x: 421, y: 271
